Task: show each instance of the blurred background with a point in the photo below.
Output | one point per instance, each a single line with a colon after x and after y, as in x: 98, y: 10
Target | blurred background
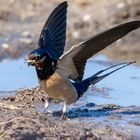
x: 21, y: 22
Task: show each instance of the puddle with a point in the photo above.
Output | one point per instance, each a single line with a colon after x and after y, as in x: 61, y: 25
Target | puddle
x: 14, y: 74
x: 121, y: 88
x: 123, y: 85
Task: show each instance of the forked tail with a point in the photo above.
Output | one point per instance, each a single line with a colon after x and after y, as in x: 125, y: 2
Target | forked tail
x: 82, y: 86
x: 98, y: 77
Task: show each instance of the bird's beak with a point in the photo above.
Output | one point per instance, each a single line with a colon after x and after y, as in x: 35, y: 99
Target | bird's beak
x: 31, y: 62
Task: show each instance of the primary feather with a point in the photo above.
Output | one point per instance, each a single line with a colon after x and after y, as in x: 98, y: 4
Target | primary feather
x: 73, y: 61
x: 53, y: 35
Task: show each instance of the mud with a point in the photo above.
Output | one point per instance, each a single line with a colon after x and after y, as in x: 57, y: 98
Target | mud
x: 21, y: 118
x: 21, y: 111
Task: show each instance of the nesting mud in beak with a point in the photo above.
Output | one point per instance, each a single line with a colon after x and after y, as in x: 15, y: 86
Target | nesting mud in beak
x: 33, y: 60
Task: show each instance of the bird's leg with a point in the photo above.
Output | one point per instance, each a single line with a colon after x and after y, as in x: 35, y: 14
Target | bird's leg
x: 64, y: 111
x: 47, y: 103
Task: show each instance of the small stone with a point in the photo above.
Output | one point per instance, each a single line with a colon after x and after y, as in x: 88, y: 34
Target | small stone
x: 12, y: 99
x: 5, y: 46
x: 121, y: 5
x: 87, y: 18
x: 26, y: 34
x: 75, y: 34
x: 25, y: 40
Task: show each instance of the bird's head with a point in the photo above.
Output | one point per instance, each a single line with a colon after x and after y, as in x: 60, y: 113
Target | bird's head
x: 39, y: 58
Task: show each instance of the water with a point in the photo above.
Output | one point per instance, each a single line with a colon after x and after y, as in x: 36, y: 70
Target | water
x: 15, y: 74
x: 124, y: 84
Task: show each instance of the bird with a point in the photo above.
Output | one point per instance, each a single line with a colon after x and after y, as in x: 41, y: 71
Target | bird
x: 60, y: 73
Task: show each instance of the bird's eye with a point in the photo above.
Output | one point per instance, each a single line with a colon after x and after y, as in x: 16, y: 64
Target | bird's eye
x: 38, y: 57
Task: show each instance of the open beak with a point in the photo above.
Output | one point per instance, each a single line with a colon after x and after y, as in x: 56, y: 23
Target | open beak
x: 30, y: 62
x: 34, y: 62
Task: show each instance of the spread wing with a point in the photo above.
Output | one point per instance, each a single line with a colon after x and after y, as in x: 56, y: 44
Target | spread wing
x: 53, y: 35
x: 73, y: 62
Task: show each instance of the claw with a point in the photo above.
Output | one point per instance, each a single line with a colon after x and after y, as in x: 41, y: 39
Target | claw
x: 64, y: 116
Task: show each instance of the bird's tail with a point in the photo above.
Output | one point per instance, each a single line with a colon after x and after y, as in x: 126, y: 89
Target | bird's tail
x: 82, y: 86
x: 98, y: 76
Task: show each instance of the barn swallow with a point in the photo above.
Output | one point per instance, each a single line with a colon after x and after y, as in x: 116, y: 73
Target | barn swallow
x: 60, y: 73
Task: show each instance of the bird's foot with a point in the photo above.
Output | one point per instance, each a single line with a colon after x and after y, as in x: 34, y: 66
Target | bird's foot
x: 44, y: 110
x: 64, y: 116
x: 47, y: 101
x: 47, y: 111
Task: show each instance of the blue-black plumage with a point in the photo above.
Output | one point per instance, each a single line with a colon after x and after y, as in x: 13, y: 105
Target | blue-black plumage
x: 53, y: 35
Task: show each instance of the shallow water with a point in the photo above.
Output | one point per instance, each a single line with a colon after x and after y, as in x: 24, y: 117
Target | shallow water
x: 120, y: 88
x: 15, y: 75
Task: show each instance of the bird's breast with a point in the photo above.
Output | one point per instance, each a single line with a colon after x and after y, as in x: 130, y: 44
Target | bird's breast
x: 58, y: 86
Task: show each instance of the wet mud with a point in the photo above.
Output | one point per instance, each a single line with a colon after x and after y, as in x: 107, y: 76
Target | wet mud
x: 22, y: 117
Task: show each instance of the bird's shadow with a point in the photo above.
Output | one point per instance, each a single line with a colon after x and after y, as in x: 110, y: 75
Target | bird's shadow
x: 99, y: 111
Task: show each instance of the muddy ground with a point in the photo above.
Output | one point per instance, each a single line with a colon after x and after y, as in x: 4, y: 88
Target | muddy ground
x: 21, y: 115
x: 22, y: 118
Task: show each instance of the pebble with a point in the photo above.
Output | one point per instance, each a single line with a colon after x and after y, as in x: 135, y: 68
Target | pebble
x: 87, y: 18
x: 26, y: 34
x: 75, y: 34
x: 5, y: 46
x: 121, y: 5
x: 25, y: 40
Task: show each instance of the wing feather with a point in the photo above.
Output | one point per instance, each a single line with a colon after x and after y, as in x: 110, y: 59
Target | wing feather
x: 77, y: 56
x: 53, y: 35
